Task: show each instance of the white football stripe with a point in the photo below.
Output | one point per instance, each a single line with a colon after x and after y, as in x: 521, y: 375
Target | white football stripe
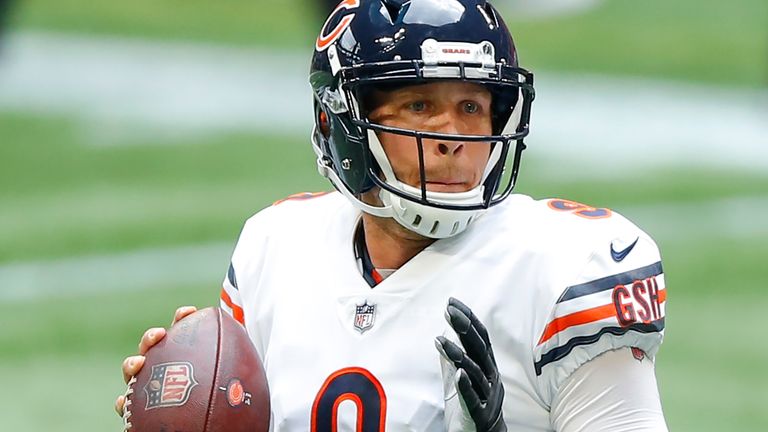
x: 130, y: 271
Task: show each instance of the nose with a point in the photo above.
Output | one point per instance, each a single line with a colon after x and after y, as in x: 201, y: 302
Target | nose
x: 450, y: 148
x: 446, y: 123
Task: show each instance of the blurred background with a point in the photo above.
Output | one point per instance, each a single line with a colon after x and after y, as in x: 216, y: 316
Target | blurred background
x: 136, y: 137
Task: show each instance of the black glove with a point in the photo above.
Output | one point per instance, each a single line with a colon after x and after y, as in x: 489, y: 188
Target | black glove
x: 477, y: 378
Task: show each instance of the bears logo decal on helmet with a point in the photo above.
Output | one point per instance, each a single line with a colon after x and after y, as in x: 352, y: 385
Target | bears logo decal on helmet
x: 326, y: 38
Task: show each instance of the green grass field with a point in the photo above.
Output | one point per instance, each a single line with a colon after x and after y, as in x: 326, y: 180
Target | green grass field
x: 62, y: 195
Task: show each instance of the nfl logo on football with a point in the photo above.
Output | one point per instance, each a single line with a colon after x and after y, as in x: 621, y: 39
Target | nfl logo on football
x: 170, y: 384
x: 364, y: 316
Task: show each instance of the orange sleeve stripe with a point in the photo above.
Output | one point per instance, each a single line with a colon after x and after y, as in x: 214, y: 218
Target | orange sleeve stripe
x: 584, y: 317
x: 577, y: 318
x: 237, y: 311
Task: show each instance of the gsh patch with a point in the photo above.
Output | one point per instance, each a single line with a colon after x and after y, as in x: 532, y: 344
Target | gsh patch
x: 365, y: 315
x: 236, y: 394
x: 170, y: 384
x: 638, y: 302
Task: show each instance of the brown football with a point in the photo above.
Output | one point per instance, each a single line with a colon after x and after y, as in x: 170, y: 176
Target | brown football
x: 203, y: 376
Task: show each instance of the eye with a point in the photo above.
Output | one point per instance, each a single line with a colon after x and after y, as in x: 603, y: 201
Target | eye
x: 471, y: 107
x: 417, y: 106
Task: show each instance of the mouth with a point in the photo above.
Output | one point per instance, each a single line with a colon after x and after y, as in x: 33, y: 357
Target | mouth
x: 447, y: 186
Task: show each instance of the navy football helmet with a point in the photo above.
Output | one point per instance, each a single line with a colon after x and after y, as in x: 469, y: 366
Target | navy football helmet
x: 368, y: 44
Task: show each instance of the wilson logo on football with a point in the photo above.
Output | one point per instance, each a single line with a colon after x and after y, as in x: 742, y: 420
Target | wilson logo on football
x: 170, y: 384
x: 329, y: 36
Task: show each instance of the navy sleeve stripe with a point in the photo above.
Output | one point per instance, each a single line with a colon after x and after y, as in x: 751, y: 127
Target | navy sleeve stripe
x: 231, y: 276
x: 610, y: 282
x: 560, y: 352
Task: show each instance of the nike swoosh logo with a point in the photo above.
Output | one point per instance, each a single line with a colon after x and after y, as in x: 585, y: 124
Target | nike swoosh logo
x: 619, y: 256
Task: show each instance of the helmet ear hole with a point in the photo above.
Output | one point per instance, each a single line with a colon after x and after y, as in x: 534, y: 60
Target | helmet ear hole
x: 325, y: 126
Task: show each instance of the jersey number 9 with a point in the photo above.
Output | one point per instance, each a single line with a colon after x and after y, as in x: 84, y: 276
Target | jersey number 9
x: 350, y: 384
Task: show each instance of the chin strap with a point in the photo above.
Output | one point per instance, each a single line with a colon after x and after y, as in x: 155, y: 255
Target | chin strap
x: 430, y: 221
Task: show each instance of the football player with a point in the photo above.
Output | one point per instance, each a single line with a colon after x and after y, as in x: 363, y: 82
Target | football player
x: 554, y: 310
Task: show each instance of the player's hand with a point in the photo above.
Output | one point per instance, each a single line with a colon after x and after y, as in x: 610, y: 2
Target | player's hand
x: 133, y: 364
x: 472, y: 385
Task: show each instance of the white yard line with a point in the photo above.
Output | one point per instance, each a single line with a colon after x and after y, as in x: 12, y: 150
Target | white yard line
x: 175, y: 88
x: 123, y: 89
x: 130, y: 271
x: 207, y: 264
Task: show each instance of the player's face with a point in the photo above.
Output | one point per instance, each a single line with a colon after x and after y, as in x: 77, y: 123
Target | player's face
x: 446, y: 107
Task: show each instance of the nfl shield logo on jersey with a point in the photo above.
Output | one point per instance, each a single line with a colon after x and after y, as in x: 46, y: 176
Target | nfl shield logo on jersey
x: 364, y: 316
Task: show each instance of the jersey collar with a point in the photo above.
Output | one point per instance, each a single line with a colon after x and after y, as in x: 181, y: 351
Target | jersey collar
x: 370, y: 274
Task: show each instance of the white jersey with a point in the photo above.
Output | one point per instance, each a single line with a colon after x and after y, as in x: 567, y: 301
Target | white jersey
x: 555, y: 282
